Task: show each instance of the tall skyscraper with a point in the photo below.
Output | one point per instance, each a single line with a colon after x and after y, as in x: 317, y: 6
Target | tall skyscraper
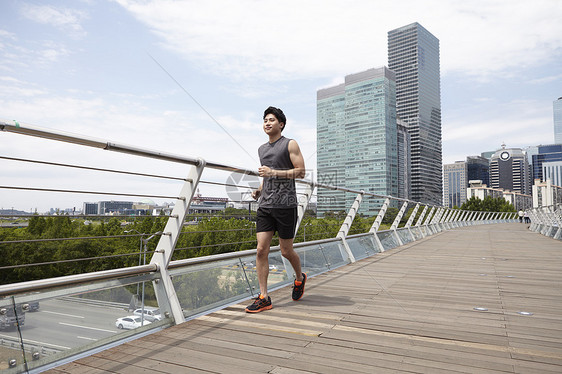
x: 557, y: 108
x: 404, y: 159
x: 455, y: 182
x: 546, y: 153
x: 413, y: 54
x: 509, y: 169
x: 357, y: 140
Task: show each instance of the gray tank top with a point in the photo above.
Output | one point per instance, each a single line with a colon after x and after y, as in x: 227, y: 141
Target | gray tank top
x: 277, y: 192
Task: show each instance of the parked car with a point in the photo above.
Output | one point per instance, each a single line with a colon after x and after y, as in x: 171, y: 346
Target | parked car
x: 10, y: 317
x: 33, y: 306
x: 130, y: 322
x: 150, y: 314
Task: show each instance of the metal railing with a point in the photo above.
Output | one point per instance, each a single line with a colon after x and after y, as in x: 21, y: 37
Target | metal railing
x: 81, y: 313
x: 547, y: 220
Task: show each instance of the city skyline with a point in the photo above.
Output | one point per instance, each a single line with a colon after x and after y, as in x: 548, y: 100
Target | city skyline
x: 103, y: 69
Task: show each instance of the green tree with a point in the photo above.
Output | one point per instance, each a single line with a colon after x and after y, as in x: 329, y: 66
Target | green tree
x: 489, y: 204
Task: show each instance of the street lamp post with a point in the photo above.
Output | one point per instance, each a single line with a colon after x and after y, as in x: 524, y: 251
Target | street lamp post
x: 142, y: 253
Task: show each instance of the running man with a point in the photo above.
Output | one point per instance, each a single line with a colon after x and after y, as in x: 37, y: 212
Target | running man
x: 282, y: 162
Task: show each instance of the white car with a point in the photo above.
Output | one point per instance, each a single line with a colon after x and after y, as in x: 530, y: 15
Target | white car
x: 130, y: 322
x: 150, y: 314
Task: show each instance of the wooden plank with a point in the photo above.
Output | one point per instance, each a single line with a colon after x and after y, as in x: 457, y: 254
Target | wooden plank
x: 406, y: 310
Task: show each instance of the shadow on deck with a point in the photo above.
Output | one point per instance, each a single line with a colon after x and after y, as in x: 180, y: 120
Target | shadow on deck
x: 411, y: 309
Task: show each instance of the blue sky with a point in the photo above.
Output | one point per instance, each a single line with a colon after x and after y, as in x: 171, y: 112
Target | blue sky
x: 94, y: 68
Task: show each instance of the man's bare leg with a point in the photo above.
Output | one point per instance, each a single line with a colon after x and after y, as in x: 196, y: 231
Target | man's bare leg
x: 292, y: 256
x: 262, y: 259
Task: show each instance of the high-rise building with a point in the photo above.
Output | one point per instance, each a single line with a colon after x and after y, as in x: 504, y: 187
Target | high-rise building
x: 90, y: 208
x: 546, y: 194
x: 455, y: 182
x: 413, y: 54
x: 478, y: 168
x: 557, y: 108
x: 404, y: 159
x: 552, y: 171
x: 357, y: 140
x: 509, y: 170
x: 546, y: 153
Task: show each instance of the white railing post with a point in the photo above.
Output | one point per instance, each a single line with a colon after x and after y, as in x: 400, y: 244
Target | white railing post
x: 535, y: 219
x: 441, y: 222
x: 545, y: 211
x: 411, y: 220
x: 478, y: 217
x: 420, y: 221
x: 422, y: 215
x: 454, y: 219
x: 436, y: 216
x: 378, y: 221
x: 428, y: 219
x: 449, y: 220
x: 462, y: 216
x: 473, y: 216
x: 396, y: 222
x: 164, y: 289
x: 436, y: 227
x: 346, y: 225
x: 558, y: 216
x: 303, y: 204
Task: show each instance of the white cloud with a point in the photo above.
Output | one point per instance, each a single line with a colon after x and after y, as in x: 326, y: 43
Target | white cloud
x: 268, y: 40
x: 62, y: 18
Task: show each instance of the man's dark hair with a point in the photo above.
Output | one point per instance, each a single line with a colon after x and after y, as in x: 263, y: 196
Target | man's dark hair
x: 278, y: 113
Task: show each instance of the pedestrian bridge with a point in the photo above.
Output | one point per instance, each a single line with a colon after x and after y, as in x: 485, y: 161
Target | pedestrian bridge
x: 477, y: 299
x: 443, y: 290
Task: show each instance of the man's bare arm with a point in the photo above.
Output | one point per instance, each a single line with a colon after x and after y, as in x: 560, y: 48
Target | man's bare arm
x: 298, y: 162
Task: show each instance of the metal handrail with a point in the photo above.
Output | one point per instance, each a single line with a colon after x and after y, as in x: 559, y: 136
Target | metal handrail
x: 76, y: 279
x: 40, y: 132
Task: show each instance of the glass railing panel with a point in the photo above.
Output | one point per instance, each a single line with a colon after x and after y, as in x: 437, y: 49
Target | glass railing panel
x: 404, y: 235
x: 417, y: 232
x: 56, y: 324
x: 205, y: 286
x: 362, y: 246
x: 278, y: 275
x: 12, y: 320
x: 313, y: 259
x: 387, y: 239
x: 333, y: 254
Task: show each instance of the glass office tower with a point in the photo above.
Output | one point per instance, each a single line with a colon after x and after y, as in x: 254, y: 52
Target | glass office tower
x: 455, y: 182
x: 546, y: 153
x: 413, y: 54
x: 357, y: 140
x: 557, y: 108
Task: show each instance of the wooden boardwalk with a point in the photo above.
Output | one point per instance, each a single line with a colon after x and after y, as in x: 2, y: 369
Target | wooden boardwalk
x: 410, y: 309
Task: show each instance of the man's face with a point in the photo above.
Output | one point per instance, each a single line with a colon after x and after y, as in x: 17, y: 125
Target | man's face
x: 271, y: 125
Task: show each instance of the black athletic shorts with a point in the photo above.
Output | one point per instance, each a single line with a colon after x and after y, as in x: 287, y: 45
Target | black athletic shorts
x: 281, y: 220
